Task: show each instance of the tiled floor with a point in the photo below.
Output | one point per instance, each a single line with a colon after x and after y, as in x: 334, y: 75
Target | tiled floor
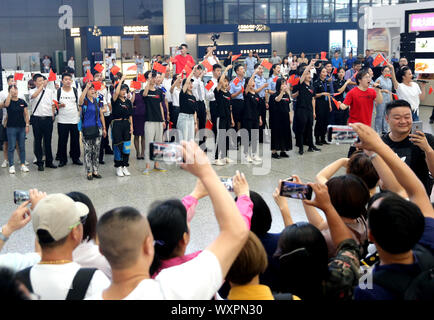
x: 140, y: 191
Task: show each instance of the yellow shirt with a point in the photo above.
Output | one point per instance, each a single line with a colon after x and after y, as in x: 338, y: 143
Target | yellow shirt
x: 250, y: 292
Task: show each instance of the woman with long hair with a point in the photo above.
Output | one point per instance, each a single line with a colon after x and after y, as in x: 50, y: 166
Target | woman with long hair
x: 323, y: 106
x: 338, y: 116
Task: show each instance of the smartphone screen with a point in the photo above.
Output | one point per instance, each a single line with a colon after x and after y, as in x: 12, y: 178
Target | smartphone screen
x: 21, y: 196
x: 167, y: 152
x: 341, y: 135
x: 296, y: 191
x: 228, y: 183
x: 417, y: 126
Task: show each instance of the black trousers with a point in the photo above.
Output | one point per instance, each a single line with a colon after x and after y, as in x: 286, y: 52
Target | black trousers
x: 64, y: 131
x: 213, y: 110
x: 303, y: 132
x: 237, y: 111
x: 322, y: 119
x: 201, y: 114
x: 263, y: 113
x: 43, y: 130
x: 105, y: 143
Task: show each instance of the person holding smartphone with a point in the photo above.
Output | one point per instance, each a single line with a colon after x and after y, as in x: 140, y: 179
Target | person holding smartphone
x: 187, y: 119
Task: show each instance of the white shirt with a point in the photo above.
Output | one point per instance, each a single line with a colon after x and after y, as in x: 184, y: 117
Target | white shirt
x: 46, y: 63
x: 105, y: 93
x: 86, y: 65
x: 175, y: 96
x: 197, y: 279
x: 87, y: 255
x: 71, y: 64
x: 212, y: 61
x: 69, y: 114
x: 53, y: 281
x: 167, y: 84
x: 209, y: 95
x: 45, y: 108
x: 410, y: 94
x: 284, y: 69
x: 198, y: 89
x: 18, y: 261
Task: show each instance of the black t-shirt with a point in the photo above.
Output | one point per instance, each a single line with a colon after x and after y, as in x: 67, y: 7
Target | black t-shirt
x: 320, y: 87
x: 224, y: 103
x: 304, y: 98
x: 251, y: 111
x: 337, y: 84
x: 187, y: 103
x: 16, y: 114
x: 413, y: 156
x: 153, y: 109
x: 122, y: 109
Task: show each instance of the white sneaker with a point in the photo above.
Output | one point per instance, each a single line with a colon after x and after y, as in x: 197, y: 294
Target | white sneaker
x: 24, y: 168
x: 219, y: 162
x: 35, y: 161
x: 228, y: 160
x: 5, y: 164
x: 119, y: 172
x: 256, y: 158
x: 249, y: 158
x: 12, y: 170
x: 125, y: 171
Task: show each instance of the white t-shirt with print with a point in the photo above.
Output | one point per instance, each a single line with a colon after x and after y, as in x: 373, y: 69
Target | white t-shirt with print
x: 410, y: 94
x: 69, y: 114
x: 197, y: 279
x: 53, y: 281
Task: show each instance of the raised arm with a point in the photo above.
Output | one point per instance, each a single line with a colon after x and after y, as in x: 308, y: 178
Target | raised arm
x: 84, y: 93
x: 394, y: 81
x: 325, y: 174
x: 187, y: 82
x: 342, y: 89
x: 39, y: 90
x: 118, y: 88
x: 222, y: 77
x: 282, y: 203
x: 233, y: 230
x: 175, y: 83
x: 406, y: 177
x: 307, y: 70
x: 8, y: 101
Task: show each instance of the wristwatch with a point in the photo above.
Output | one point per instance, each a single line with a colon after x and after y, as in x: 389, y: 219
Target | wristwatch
x: 371, y: 157
x: 2, y: 236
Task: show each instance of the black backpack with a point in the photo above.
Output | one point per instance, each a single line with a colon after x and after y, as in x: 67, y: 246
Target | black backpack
x: 59, y: 93
x: 406, y: 287
x: 79, y: 285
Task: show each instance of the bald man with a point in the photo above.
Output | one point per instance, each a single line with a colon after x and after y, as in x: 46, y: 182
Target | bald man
x: 128, y: 244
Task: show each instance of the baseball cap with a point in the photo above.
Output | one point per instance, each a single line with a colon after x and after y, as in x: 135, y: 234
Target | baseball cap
x: 58, y: 214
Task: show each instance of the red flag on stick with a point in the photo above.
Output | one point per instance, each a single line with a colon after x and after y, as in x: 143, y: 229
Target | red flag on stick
x: 209, y: 125
x: 378, y: 60
x: 236, y: 81
x: 136, y: 85
x: 266, y: 64
x: 209, y: 85
x: 56, y: 104
x: 52, y: 76
x: 159, y: 67
x: 236, y: 57
x: 188, y: 69
x: 337, y: 103
x: 97, y: 85
x: 430, y: 90
x: 115, y: 70
x: 89, y: 76
x: 207, y: 65
x: 18, y: 76
x: 323, y: 55
x: 99, y: 68
x: 141, y: 78
x: 395, y: 97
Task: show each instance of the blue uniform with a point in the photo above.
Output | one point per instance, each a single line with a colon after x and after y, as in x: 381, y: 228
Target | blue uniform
x: 235, y: 88
x: 272, y: 83
x: 259, y: 82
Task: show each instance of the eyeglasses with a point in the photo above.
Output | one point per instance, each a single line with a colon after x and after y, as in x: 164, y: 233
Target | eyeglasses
x: 82, y: 221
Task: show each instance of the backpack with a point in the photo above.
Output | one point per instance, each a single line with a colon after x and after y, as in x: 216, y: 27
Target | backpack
x: 79, y: 285
x: 406, y: 287
x: 59, y: 93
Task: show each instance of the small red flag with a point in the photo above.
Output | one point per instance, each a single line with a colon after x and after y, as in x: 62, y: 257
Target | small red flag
x: 209, y: 125
x: 266, y: 64
x: 242, y: 89
x: 296, y: 81
x: 323, y: 55
x: 335, y: 70
x: 337, y: 103
x: 141, y: 78
x: 207, y: 65
x: 388, y: 75
x: 209, y: 85
x: 159, y: 68
x: 56, y: 104
x: 89, y: 75
x: 430, y: 90
x: 115, y: 70
x: 132, y: 68
x: 170, y: 124
x: 378, y: 60
x: 236, y: 81
x: 136, y: 85
x: 97, y: 85
x: 336, y: 94
x: 99, y: 68
x: 188, y: 69
x: 18, y: 76
x: 236, y: 57
x: 395, y: 97
x: 293, y: 81
x: 275, y: 79
x: 52, y: 76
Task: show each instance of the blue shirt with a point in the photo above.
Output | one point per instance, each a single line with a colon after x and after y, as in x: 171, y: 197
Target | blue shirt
x: 369, y: 62
x: 250, y: 65
x: 235, y: 88
x: 379, y: 293
x: 349, y: 63
x: 89, y: 113
x: 259, y: 82
x: 349, y: 74
x: 272, y: 83
x: 337, y: 63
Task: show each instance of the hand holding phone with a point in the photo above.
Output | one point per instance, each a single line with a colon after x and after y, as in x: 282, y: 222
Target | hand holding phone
x: 228, y: 183
x: 416, y: 126
x: 295, y: 191
x: 341, y: 134
x: 168, y: 152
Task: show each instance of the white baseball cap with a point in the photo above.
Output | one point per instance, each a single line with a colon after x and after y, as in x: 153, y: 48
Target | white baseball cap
x: 58, y: 214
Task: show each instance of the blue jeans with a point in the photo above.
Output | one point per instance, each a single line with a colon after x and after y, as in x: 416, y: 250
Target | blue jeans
x: 415, y: 116
x: 185, y: 126
x: 16, y: 134
x: 381, y: 125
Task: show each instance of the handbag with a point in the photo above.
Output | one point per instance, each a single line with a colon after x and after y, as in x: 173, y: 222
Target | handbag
x: 32, y: 117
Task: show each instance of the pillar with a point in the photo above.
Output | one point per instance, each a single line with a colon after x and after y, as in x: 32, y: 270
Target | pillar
x: 99, y: 13
x: 174, y: 23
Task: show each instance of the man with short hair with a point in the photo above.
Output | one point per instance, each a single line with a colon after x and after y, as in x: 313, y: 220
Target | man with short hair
x: 337, y: 61
x: 199, y: 93
x: 183, y: 59
x: 415, y: 149
x: 212, y: 60
x: 237, y: 98
x: 210, y: 97
x: 369, y: 61
x: 46, y: 64
x: 127, y: 242
x: 350, y: 61
x: 250, y: 64
x: 275, y: 59
x: 58, y: 224
x: 402, y: 231
x: 68, y: 118
x: 140, y: 62
x: 350, y: 74
x: 261, y: 86
x: 86, y: 65
x: 42, y: 110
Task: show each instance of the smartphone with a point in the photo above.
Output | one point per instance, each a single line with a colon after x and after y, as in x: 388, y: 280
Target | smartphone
x: 341, y: 135
x: 21, y: 196
x: 417, y: 126
x: 422, y: 81
x: 228, y: 183
x: 167, y: 152
x: 296, y: 191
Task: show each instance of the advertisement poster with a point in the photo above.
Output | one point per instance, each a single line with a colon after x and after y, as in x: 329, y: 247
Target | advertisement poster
x: 425, y: 45
x: 424, y: 66
x: 378, y: 41
x: 421, y: 22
